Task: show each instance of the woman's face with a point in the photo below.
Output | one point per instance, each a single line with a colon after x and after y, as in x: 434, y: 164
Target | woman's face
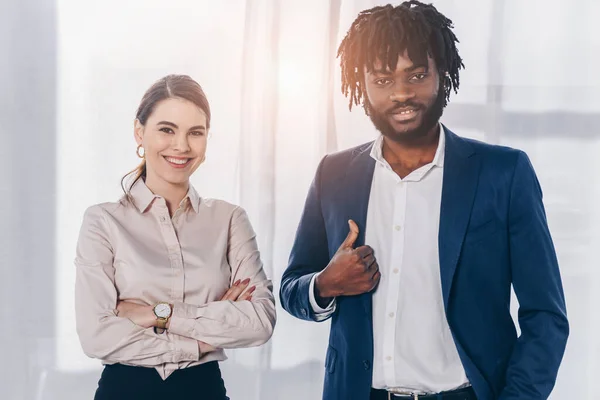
x: 174, y: 141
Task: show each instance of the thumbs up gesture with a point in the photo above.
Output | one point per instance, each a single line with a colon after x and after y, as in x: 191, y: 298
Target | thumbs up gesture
x: 350, y: 272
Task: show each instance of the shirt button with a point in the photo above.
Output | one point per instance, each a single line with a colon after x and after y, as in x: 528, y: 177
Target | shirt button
x: 303, y: 312
x: 391, y: 315
x: 396, y: 270
x: 388, y: 358
x: 163, y: 218
x: 366, y: 364
x: 397, y: 227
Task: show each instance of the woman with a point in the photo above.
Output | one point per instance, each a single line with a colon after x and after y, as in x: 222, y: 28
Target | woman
x: 165, y: 279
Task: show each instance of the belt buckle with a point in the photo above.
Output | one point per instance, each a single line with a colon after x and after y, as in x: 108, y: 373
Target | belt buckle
x: 415, y: 396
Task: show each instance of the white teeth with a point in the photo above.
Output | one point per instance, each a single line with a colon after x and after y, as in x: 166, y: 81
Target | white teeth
x: 406, y: 112
x: 177, y: 160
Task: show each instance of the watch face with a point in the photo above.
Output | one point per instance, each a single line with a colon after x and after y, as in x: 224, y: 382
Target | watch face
x: 162, y: 310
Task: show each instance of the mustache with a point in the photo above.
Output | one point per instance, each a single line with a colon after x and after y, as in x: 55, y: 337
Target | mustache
x: 398, y: 106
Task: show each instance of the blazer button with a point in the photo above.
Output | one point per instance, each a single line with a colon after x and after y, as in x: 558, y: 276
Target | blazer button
x: 366, y: 364
x: 303, y: 312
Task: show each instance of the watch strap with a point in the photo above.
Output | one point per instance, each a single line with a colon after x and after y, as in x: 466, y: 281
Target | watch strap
x: 161, y: 323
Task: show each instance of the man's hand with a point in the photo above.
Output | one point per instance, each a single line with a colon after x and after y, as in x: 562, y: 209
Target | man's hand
x: 350, y: 271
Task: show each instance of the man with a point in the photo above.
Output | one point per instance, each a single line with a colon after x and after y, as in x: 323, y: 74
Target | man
x: 411, y: 243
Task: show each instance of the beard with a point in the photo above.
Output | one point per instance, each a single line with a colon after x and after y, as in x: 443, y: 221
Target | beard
x: 431, y: 116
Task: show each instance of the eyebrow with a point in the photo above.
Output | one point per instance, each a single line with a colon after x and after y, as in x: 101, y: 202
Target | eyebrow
x: 407, y: 69
x: 200, y: 127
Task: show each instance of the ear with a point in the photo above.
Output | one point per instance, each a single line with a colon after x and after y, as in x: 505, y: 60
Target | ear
x: 138, y: 131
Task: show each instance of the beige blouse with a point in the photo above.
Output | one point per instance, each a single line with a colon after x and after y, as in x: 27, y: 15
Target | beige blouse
x: 138, y: 253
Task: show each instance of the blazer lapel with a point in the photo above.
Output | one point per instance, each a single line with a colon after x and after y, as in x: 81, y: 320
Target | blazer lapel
x: 461, y: 174
x: 358, y: 180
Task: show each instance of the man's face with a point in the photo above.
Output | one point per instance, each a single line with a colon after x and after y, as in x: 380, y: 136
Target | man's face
x: 405, y: 104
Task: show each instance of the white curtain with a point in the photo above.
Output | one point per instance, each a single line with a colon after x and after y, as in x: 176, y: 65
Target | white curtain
x: 76, y: 71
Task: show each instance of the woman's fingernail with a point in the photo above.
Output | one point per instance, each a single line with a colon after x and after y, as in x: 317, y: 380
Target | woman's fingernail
x: 247, y: 280
x: 237, y: 282
x: 252, y: 289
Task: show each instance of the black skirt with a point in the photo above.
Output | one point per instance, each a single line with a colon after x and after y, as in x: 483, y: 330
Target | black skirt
x: 123, y: 382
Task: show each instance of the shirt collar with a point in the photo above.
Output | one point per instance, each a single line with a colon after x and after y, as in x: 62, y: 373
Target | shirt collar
x: 143, y: 197
x: 438, y: 159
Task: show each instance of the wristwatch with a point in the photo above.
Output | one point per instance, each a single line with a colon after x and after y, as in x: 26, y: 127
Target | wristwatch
x: 163, y: 312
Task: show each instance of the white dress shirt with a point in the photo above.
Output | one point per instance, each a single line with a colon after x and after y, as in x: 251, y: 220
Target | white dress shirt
x: 413, y: 347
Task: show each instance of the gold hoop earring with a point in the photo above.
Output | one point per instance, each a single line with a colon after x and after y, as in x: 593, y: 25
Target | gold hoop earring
x: 137, y: 151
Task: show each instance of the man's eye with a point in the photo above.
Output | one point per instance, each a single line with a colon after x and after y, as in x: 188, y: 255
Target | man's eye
x: 418, y: 77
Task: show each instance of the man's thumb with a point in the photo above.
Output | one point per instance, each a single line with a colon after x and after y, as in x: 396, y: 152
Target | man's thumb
x: 352, y: 236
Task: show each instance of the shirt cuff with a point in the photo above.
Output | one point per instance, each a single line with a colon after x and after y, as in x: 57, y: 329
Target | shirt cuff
x: 187, y: 349
x: 322, y: 312
x: 183, y: 320
x: 182, y: 348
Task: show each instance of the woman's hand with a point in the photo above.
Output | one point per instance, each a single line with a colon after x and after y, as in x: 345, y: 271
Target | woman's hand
x: 205, y: 348
x: 143, y: 315
x: 139, y: 314
x: 236, y: 291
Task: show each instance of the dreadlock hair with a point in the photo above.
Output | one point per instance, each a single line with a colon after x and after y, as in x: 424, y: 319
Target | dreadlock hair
x: 385, y: 32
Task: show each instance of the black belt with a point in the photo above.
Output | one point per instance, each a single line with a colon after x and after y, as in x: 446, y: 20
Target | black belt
x: 459, y: 394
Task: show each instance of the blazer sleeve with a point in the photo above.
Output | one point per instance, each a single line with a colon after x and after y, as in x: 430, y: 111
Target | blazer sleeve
x: 309, y: 255
x: 535, y: 358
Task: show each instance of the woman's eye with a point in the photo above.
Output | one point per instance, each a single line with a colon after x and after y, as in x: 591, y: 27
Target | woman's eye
x: 166, y: 130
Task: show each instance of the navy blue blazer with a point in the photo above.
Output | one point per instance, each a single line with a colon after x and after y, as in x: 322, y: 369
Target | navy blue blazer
x: 493, y: 233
